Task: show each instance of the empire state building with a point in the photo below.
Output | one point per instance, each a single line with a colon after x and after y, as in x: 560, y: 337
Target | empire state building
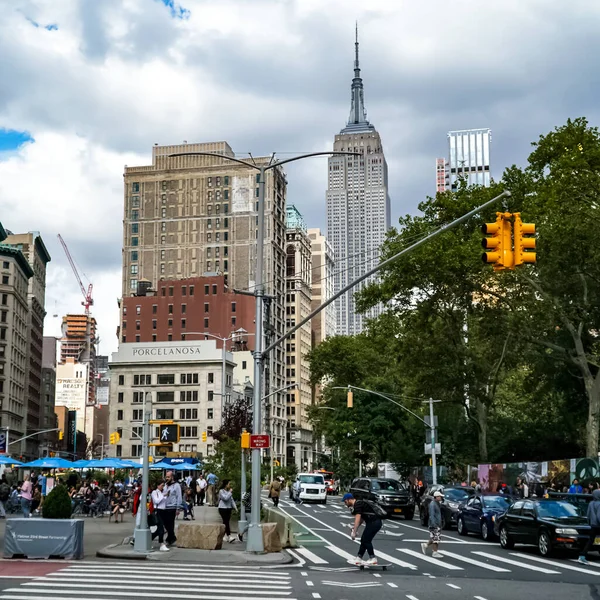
x: 358, y: 206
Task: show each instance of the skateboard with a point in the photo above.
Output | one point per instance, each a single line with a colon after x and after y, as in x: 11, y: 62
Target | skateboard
x: 382, y: 566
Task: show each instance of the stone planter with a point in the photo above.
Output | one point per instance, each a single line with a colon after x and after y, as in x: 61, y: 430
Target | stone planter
x: 43, y: 538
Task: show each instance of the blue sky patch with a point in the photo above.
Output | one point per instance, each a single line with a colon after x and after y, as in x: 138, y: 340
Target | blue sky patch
x: 50, y: 27
x: 177, y: 11
x: 11, y: 140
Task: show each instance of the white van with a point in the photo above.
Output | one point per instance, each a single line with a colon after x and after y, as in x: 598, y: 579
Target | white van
x: 312, y: 488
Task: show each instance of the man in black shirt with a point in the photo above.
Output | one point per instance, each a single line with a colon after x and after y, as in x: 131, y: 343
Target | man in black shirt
x: 363, y: 513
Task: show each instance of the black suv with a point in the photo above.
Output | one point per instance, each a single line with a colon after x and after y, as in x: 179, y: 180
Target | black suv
x: 454, y: 496
x: 392, y: 495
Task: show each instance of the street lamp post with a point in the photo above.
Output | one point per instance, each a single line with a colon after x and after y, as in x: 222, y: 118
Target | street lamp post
x: 255, y: 539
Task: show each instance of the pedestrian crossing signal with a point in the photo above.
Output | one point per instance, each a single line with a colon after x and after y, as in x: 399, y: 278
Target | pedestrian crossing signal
x: 61, y: 434
x: 169, y: 433
x: 350, y: 398
x: 245, y: 441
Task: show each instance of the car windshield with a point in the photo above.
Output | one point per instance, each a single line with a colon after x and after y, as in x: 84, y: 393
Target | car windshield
x: 311, y: 479
x: 388, y: 485
x: 559, y: 510
x: 496, y: 502
x: 457, y: 495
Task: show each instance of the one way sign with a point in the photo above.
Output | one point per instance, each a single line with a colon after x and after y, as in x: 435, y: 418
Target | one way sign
x: 169, y: 433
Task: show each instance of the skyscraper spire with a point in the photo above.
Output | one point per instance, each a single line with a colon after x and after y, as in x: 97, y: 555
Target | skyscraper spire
x: 358, y: 115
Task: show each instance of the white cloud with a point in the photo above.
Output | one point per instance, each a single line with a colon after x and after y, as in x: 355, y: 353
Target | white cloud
x: 266, y: 75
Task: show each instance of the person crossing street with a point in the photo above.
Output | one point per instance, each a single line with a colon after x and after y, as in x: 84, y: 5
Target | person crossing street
x: 363, y: 513
x: 435, y: 526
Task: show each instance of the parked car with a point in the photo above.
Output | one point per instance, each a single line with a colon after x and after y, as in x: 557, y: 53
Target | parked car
x: 454, y: 496
x: 548, y: 524
x: 392, y: 495
x: 479, y: 514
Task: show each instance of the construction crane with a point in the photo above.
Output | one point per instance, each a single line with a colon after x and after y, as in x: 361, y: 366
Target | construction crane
x: 87, y: 295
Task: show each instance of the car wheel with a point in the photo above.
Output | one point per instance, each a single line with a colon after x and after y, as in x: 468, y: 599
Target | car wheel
x: 423, y: 518
x: 461, y: 527
x: 485, y: 531
x: 545, y: 543
x: 409, y: 515
x: 325, y: 501
x: 445, y: 524
x: 505, y: 540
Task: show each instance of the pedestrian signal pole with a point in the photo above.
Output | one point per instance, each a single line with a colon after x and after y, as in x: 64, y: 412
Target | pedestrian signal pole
x: 142, y: 537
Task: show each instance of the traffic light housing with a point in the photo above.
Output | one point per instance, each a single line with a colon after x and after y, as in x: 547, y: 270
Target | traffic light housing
x: 115, y: 437
x: 350, y: 398
x: 245, y: 441
x: 61, y: 434
x: 499, y: 244
x: 169, y: 433
x: 204, y: 436
x: 524, y: 241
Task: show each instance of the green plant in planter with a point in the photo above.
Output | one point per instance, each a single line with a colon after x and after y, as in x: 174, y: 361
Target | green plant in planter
x: 57, y: 504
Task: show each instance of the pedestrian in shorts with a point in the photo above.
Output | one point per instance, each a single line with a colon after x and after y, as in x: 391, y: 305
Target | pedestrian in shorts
x: 435, y: 526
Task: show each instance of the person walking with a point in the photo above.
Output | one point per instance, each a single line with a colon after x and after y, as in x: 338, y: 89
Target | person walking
x: 226, y: 507
x: 435, y: 526
x: 200, y: 490
x: 159, y: 501
x: 593, y: 517
x: 211, y: 480
x: 297, y: 487
x: 172, y: 492
x: 26, y: 495
x: 575, y: 488
x: 363, y: 513
x: 275, y: 491
x: 4, y: 496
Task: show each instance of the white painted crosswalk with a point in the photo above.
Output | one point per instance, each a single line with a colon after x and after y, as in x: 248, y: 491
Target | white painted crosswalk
x: 117, y: 580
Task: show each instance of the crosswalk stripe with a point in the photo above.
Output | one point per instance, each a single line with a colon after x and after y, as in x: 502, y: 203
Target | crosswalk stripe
x: 340, y: 552
x: 394, y: 560
x: 556, y: 564
x: 429, y: 559
x: 262, y: 585
x: 477, y: 563
x: 508, y: 561
x: 158, y: 571
x: 317, y: 560
x: 13, y: 594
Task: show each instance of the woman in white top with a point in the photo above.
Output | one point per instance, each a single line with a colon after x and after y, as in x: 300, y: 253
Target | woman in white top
x: 226, y: 506
x: 159, y: 500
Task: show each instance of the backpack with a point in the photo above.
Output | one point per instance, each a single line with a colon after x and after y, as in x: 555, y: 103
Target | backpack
x: 4, y: 492
x: 377, y: 510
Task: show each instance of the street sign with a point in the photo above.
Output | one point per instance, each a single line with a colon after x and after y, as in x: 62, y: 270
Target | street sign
x: 168, y: 434
x: 438, y: 448
x: 427, y: 420
x: 3, y: 442
x: 260, y: 441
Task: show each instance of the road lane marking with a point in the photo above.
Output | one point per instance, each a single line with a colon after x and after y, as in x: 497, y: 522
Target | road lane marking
x: 37, y: 592
x: 387, y: 557
x: 429, y: 559
x: 479, y: 598
x: 392, y: 585
x: 317, y: 560
x: 423, y: 531
x: 124, y: 571
x: 411, y: 597
x: 508, y: 561
x: 449, y: 542
x: 556, y: 564
x: 376, y: 575
x: 221, y: 577
x: 454, y: 587
x: 310, y: 583
x: 247, y: 587
x: 316, y: 595
x: 341, y: 552
x: 477, y: 563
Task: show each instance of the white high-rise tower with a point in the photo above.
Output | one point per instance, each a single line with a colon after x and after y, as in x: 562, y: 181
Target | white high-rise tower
x: 358, y: 205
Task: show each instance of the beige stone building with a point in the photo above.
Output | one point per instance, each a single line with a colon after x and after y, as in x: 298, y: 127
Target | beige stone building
x: 32, y: 248
x: 298, y: 307
x: 187, y: 216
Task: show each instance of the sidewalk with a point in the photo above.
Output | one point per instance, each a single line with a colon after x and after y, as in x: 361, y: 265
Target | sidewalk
x: 231, y: 553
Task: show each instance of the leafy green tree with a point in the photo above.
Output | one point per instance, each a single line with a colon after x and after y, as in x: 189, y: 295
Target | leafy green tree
x: 57, y: 504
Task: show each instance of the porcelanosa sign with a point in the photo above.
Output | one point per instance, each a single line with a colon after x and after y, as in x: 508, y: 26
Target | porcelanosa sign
x: 169, y: 352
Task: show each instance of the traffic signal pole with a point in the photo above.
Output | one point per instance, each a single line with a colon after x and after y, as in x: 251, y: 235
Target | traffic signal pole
x: 142, y: 537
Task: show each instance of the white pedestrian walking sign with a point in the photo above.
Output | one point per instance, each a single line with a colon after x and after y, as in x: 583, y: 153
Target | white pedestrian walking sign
x: 169, y: 433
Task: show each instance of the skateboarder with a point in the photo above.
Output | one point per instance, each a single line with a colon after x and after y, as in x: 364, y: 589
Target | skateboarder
x: 363, y: 513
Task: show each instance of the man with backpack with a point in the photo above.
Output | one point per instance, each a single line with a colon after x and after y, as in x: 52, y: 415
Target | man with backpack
x: 371, y: 515
x: 4, y: 495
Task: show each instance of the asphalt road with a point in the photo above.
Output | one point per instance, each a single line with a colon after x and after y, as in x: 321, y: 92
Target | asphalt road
x: 471, y: 567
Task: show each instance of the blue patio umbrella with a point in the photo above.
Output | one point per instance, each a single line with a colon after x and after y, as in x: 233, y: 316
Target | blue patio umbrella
x: 80, y: 464
x: 176, y: 467
x: 8, y: 460
x: 105, y: 463
x: 128, y: 464
x: 48, y: 463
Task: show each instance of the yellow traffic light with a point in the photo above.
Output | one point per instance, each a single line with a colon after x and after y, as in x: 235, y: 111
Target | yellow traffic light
x: 524, y: 243
x: 350, y: 398
x: 61, y: 434
x: 245, y: 439
x: 500, y: 242
x: 115, y: 437
x: 204, y: 436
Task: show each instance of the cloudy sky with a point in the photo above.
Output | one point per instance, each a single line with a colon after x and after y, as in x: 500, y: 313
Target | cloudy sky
x: 88, y: 86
